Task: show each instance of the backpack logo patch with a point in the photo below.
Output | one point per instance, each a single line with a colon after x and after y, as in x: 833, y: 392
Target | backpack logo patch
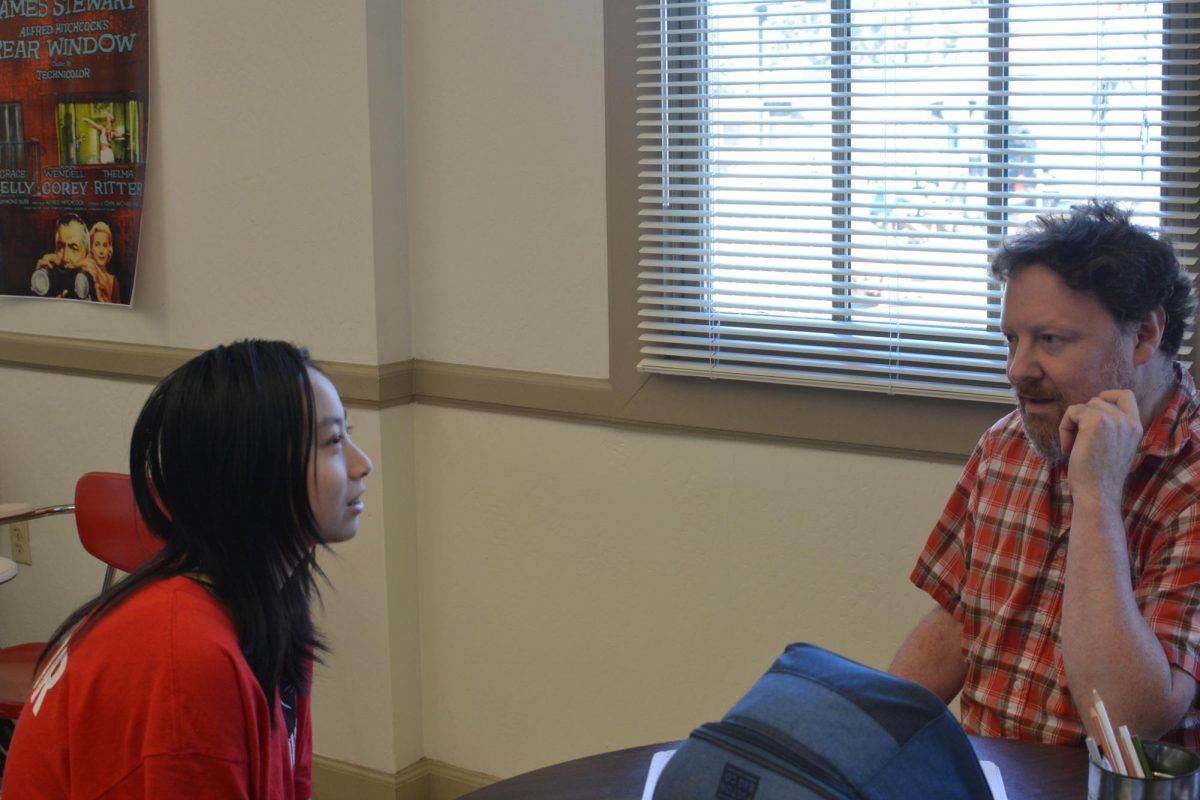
x: 737, y: 784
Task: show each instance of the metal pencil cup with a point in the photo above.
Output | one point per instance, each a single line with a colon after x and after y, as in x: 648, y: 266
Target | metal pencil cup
x: 1181, y: 764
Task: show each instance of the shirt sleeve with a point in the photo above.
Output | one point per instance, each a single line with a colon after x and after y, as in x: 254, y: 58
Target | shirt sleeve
x: 941, y: 567
x: 1168, y: 588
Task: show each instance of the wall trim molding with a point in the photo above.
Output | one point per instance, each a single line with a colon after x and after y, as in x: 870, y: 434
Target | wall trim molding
x: 362, y: 385
x: 426, y: 779
x: 799, y: 420
x: 89, y: 357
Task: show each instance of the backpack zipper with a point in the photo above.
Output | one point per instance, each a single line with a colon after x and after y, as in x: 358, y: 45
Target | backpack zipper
x: 743, y: 741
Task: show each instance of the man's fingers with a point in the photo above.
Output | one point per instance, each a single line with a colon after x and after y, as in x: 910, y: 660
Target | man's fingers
x: 1106, y: 426
x: 1122, y: 399
x: 1068, y: 427
x: 1066, y: 439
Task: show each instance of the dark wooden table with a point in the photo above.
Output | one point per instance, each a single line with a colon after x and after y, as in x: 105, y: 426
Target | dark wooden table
x: 1031, y: 772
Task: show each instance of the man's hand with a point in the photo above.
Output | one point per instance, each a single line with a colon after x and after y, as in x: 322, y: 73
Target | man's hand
x: 1100, y: 440
x: 89, y: 266
x: 50, y: 260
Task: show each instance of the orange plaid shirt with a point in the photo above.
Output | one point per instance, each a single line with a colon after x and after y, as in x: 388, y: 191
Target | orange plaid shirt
x: 997, y: 556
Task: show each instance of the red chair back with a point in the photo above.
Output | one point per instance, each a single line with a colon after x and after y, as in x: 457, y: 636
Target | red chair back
x: 112, y: 530
x: 109, y: 525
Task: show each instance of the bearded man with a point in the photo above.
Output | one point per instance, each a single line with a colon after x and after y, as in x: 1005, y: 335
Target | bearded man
x: 1067, y: 559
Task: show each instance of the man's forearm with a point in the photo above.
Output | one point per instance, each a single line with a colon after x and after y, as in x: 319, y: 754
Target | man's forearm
x: 932, y: 655
x: 1107, y: 644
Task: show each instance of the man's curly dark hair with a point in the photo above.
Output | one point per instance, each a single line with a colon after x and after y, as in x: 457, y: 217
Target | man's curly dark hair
x: 1095, y: 248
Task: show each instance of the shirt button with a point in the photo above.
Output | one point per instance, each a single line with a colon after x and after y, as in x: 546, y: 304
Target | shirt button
x: 1018, y: 684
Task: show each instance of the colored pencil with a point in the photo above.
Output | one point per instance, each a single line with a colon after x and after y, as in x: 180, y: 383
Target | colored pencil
x: 1111, y: 747
x: 1129, y: 753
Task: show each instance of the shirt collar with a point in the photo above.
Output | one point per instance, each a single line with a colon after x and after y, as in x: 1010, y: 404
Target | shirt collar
x: 1171, y: 429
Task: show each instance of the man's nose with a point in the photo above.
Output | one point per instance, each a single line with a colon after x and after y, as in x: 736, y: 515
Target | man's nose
x: 1023, y: 365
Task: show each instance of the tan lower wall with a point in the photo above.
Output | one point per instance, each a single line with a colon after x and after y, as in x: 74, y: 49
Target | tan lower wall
x: 425, y: 780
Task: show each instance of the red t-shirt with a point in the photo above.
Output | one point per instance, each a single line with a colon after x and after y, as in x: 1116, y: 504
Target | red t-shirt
x: 157, y: 701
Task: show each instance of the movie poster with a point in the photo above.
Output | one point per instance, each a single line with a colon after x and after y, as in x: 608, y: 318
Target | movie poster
x: 74, y: 81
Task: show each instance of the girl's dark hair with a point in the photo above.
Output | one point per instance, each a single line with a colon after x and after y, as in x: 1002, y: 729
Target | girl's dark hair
x: 219, y: 462
x: 1096, y: 248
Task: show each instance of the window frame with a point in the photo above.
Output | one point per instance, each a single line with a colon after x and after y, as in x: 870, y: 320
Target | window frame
x: 910, y: 426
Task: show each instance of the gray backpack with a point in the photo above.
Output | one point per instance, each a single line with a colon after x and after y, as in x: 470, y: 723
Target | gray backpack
x: 818, y: 725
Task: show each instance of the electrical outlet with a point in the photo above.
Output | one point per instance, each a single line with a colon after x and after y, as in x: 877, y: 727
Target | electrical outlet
x: 19, y: 536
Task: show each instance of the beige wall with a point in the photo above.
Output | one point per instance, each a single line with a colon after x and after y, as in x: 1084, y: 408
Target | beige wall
x: 505, y: 144
x: 261, y: 220
x: 384, y: 180
x: 585, y: 588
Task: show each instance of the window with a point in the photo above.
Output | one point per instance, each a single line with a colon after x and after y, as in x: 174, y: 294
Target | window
x: 822, y: 181
x: 15, y: 152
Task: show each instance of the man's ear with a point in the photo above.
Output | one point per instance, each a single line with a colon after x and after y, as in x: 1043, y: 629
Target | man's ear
x: 1149, y: 335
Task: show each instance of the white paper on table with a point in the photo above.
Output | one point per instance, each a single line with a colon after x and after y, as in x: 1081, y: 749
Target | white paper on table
x: 660, y: 759
x: 656, y: 767
x: 995, y: 782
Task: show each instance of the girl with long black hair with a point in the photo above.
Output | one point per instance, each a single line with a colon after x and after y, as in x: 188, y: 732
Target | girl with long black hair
x: 191, y: 676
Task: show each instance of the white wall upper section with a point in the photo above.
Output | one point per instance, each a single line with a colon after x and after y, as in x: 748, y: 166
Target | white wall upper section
x: 504, y: 126
x: 258, y: 205
x: 393, y: 310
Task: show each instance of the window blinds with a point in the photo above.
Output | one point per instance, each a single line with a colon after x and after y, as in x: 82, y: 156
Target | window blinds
x: 822, y: 181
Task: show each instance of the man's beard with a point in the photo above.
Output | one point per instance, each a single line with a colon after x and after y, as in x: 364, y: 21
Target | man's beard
x: 1042, y: 429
